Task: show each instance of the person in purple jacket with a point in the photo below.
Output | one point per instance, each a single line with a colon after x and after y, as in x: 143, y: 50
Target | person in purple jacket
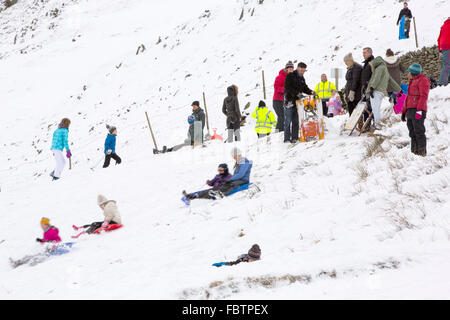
x: 216, y: 183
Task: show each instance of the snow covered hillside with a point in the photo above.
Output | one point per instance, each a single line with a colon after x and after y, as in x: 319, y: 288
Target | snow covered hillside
x: 346, y: 217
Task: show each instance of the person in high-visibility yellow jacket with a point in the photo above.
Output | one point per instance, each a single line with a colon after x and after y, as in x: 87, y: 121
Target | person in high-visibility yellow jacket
x: 265, y: 120
x: 323, y: 89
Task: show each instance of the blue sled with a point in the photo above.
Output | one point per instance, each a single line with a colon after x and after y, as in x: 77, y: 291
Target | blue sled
x: 63, y: 249
x: 187, y: 202
x: 401, y: 31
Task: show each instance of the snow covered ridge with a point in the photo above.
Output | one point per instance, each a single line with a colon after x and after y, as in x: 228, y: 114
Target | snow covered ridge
x: 346, y: 217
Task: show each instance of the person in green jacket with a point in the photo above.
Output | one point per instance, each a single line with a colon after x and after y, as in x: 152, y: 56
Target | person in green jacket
x: 377, y: 87
x: 265, y: 120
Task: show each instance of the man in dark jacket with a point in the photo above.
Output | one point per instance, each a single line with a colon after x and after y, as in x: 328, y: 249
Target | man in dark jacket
x: 199, y: 122
x: 353, y: 86
x: 366, y: 74
x: 294, y: 86
x: 408, y: 16
x: 231, y: 109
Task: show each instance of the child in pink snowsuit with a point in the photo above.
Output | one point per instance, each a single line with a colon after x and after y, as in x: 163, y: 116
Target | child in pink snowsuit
x: 51, y: 234
x: 334, y: 104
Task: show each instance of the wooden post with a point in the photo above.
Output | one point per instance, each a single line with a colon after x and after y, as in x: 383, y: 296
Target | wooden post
x: 264, y: 85
x: 70, y: 163
x: 151, y: 131
x: 206, y: 110
x: 336, y: 76
x: 415, y: 31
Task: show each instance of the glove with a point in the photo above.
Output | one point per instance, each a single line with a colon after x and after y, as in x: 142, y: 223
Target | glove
x: 109, y: 151
x: 68, y: 154
x: 39, y: 240
x: 403, y: 117
x: 371, y: 92
x: 219, y: 264
x: 418, y: 115
x: 351, y: 96
x: 105, y: 224
x: 393, y: 99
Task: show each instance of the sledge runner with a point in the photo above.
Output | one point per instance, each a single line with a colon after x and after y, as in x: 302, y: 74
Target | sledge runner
x: 265, y: 120
x: 51, y: 236
x: 111, y: 213
x: 231, y: 109
x: 217, y: 182
x: 110, y: 147
x: 59, y: 142
x: 196, y: 123
x: 254, y: 254
x: 241, y: 175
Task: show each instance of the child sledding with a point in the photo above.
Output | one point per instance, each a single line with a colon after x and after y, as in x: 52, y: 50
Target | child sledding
x: 112, y: 219
x: 254, y: 254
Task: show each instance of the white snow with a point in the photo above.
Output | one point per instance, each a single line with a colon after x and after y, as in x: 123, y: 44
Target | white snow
x: 332, y: 223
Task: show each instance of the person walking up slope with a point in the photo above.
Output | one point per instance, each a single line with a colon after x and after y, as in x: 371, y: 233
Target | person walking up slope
x: 265, y: 120
x: 415, y: 109
x: 110, y: 147
x: 231, y: 109
x: 59, y: 142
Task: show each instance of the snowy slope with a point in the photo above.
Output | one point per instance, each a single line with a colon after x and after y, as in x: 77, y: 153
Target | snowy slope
x: 327, y: 227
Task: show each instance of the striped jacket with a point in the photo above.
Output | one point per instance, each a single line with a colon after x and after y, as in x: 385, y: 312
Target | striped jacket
x: 60, y: 139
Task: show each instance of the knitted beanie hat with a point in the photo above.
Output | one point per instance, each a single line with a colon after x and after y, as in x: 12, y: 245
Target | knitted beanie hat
x: 111, y: 129
x: 45, y: 221
x: 261, y: 104
x: 255, y: 252
x: 195, y: 103
x: 289, y: 65
x: 101, y: 199
x: 348, y: 57
x: 415, y: 69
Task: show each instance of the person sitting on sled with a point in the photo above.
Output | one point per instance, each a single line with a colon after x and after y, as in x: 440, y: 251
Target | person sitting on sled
x: 51, y: 233
x: 241, y: 174
x: 110, y: 211
x: 254, y: 254
x: 218, y: 181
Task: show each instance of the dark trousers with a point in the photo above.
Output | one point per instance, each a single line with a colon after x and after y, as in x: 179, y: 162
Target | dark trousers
x: 416, y: 131
x: 351, y: 105
x: 108, y: 159
x: 94, y: 226
x: 262, y: 135
x: 291, y: 124
x: 324, y: 106
x: 231, y: 185
x: 407, y: 27
x: 279, y: 110
x: 204, y: 194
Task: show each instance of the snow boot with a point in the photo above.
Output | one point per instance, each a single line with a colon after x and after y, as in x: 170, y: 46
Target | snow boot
x: 55, y: 178
x: 52, y: 174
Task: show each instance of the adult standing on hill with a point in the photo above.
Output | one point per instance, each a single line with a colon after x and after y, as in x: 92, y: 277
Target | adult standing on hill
x: 278, y: 95
x: 323, y: 89
x: 415, y: 109
x: 294, y: 86
x: 444, y: 49
x: 408, y: 16
x: 59, y: 142
x: 395, y: 68
x: 353, y: 86
x: 199, y: 122
x: 231, y: 109
x: 366, y: 74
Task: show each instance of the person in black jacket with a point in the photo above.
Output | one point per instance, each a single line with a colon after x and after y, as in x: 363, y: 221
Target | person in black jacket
x: 231, y: 109
x: 294, y: 86
x: 353, y: 86
x: 408, y: 16
x: 199, y: 116
x: 366, y: 74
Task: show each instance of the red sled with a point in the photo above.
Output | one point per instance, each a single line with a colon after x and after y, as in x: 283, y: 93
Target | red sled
x: 109, y: 227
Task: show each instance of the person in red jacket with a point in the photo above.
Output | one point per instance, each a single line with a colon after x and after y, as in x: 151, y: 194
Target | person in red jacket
x: 444, y: 49
x: 415, y: 109
x: 278, y: 95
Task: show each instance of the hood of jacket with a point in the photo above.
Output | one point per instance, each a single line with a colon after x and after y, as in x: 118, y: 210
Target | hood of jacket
x: 378, y: 61
x: 282, y: 72
x: 392, y: 60
x: 231, y: 91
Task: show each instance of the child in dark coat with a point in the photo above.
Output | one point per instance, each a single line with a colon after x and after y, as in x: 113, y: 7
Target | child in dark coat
x: 110, y: 147
x: 216, y: 183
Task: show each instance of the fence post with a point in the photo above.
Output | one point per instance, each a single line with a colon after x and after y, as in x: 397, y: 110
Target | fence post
x: 415, y: 32
x: 151, y: 131
x: 207, y: 118
x: 264, y: 85
x: 336, y: 75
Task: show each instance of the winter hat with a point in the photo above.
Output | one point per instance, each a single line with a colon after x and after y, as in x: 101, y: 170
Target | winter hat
x: 289, y: 65
x: 261, y: 103
x: 224, y: 166
x: 101, y: 199
x: 191, y: 119
x: 195, y: 103
x: 415, y: 69
x: 255, y: 252
x: 111, y: 129
x: 45, y: 221
x: 348, y: 57
x: 235, y: 152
